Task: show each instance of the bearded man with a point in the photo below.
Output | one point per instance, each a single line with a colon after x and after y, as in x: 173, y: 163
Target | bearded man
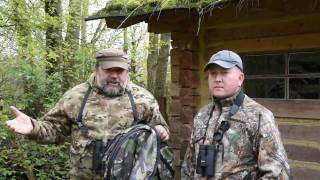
x: 97, y: 109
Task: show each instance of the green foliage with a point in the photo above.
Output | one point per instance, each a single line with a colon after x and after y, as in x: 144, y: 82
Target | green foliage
x: 34, y: 75
x: 136, y: 7
x: 25, y: 159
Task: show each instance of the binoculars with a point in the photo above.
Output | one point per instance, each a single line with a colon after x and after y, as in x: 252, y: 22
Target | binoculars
x: 97, y: 155
x: 206, y: 161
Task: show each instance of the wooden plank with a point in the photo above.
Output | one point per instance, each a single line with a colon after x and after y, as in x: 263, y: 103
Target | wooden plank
x: 269, y: 44
x: 300, y: 26
x: 265, y: 12
x: 268, y: 19
x: 303, y: 173
x: 304, y: 164
x: 304, y: 170
x: 298, y: 122
x: 233, y: 14
x: 303, y: 153
x: 167, y: 27
x: 293, y: 108
x: 311, y: 144
x: 308, y: 133
x: 173, y: 22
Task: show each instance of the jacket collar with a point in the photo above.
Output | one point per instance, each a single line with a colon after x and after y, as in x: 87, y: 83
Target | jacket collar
x: 227, y: 101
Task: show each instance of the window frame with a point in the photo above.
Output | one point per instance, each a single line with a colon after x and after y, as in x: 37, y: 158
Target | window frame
x: 289, y: 108
x: 286, y: 76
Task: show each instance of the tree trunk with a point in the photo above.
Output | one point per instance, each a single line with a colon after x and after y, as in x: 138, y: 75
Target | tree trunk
x: 84, y: 14
x: 133, y: 52
x: 71, y: 44
x: 161, y: 72
x: 152, y: 61
x: 73, y: 24
x: 21, y: 21
x: 125, y: 41
x: 53, y: 35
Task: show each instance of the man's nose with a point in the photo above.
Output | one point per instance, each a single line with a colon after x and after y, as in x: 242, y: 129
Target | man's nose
x: 218, y: 77
x: 113, y: 74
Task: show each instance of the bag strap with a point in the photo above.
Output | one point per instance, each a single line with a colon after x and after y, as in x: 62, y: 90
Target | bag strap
x: 136, y: 119
x: 159, y: 155
x: 233, y: 110
x: 166, y: 163
x: 225, y: 125
x: 84, y: 101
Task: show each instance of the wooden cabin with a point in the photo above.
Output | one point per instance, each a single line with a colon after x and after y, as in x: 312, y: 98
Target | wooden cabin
x: 279, y: 42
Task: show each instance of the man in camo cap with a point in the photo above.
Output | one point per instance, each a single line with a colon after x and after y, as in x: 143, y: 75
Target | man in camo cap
x: 106, y: 112
x: 247, y: 140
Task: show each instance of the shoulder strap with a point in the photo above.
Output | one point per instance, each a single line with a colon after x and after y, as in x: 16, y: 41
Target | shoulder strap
x: 84, y: 101
x: 236, y: 105
x: 134, y: 109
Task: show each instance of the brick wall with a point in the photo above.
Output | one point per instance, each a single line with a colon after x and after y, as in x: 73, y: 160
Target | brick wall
x: 184, y: 100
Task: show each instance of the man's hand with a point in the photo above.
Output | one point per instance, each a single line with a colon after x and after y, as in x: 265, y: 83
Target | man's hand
x: 164, y: 135
x: 21, y: 124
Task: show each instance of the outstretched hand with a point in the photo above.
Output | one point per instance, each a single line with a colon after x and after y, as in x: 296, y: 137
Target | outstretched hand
x: 21, y: 124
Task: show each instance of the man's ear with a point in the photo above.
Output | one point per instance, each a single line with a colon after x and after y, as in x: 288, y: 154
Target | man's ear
x: 241, y: 78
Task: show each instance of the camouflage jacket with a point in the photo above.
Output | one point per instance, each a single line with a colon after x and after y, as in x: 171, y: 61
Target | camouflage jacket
x: 250, y: 149
x: 103, y: 117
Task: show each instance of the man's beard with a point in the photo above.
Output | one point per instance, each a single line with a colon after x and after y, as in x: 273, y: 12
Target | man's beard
x: 109, y: 89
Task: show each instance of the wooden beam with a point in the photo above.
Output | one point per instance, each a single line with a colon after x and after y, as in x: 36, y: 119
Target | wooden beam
x: 189, y: 24
x: 262, y: 20
x: 268, y: 44
x: 306, y: 109
x: 303, y: 133
x: 266, y: 12
x: 298, y: 26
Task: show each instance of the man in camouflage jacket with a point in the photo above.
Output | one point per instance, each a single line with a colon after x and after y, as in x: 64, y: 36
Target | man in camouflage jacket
x: 251, y: 148
x: 107, y: 112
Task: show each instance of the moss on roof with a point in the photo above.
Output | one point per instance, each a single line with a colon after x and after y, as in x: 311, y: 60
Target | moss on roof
x: 138, y: 7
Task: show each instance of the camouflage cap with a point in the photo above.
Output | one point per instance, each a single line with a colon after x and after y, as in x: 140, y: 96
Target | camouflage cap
x: 111, y: 57
x: 226, y: 59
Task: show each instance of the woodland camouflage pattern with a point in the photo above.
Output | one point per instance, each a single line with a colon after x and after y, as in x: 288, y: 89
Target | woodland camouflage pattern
x: 247, y: 152
x: 137, y: 156
x: 103, y: 116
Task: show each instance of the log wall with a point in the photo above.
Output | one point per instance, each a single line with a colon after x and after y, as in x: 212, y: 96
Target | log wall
x: 262, y: 27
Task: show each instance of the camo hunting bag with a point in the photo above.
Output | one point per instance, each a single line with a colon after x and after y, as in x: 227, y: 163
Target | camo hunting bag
x: 136, y: 154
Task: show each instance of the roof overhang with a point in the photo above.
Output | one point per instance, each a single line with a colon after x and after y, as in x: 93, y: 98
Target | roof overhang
x: 122, y: 21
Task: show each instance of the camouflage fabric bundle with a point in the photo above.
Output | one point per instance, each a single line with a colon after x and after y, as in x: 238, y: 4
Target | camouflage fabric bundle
x: 138, y: 154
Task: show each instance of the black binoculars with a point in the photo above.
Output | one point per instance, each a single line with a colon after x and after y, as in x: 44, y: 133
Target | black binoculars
x: 97, y: 155
x: 206, y: 161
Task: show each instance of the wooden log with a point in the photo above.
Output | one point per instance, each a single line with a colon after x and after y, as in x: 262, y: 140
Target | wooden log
x: 293, y: 108
x: 300, y: 132
x: 303, y: 153
x: 269, y: 44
